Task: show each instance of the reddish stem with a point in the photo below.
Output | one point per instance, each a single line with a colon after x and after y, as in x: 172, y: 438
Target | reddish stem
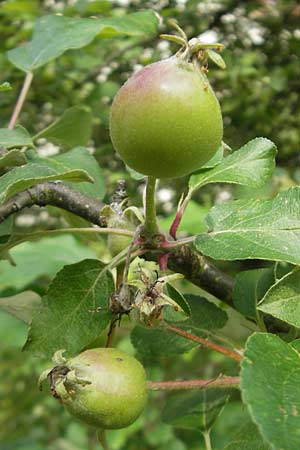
x: 218, y: 348
x: 221, y: 382
x: 111, y: 333
x: 176, y: 222
x: 163, y: 261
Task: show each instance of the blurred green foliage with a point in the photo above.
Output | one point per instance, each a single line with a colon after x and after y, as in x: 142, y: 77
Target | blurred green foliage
x: 259, y: 94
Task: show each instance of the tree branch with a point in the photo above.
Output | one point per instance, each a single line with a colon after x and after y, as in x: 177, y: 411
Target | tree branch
x: 199, y: 271
x: 195, y: 267
x: 55, y: 194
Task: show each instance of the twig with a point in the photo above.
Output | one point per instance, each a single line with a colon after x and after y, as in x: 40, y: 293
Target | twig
x: 199, y: 271
x: 55, y: 194
x: 206, y: 436
x: 111, y: 331
x: 183, y: 259
x: 116, y: 318
x: 205, y: 342
x: 21, y: 99
x: 19, y: 238
x: 178, y: 217
x: 220, y: 382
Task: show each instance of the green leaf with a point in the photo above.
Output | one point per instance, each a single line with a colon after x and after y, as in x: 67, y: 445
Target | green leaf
x: 81, y: 158
x: 270, y: 383
x: 296, y: 345
x: 216, y: 58
x: 41, y: 259
x: 204, y: 315
x: 283, y: 299
x: 134, y: 174
x: 251, y: 165
x: 249, y: 288
x: 6, y: 228
x: 72, y: 129
x: 54, y: 35
x: 76, y: 159
x: 22, y: 306
x: 217, y: 158
x: 154, y: 343
x: 195, y: 410
x: 248, y: 438
x: 176, y: 295
x: 5, y: 86
x: 254, y: 229
x: 18, y: 137
x: 21, y: 178
x: 75, y: 310
x: 12, y: 158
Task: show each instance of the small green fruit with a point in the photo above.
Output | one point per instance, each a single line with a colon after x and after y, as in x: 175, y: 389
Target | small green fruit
x: 166, y: 121
x: 104, y: 387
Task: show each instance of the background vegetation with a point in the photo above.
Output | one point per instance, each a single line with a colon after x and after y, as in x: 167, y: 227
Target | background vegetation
x: 259, y: 94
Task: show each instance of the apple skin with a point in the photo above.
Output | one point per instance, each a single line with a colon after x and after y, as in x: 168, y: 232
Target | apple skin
x: 166, y: 121
x: 112, y: 391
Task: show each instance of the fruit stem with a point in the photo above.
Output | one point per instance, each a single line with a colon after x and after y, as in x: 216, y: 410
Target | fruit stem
x: 150, y: 226
x: 102, y: 439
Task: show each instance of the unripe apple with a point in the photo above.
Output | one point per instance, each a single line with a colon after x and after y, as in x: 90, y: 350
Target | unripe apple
x: 104, y: 387
x: 166, y: 121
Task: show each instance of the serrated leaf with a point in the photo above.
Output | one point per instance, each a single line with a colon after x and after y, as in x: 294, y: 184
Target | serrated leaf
x: 251, y: 165
x: 21, y: 178
x: 270, y: 383
x: 254, y: 229
x: 78, y: 158
x: 5, y: 86
x: 22, y: 306
x: 283, y: 299
x: 154, y: 343
x: 249, y: 288
x: 216, y: 58
x: 248, y: 438
x: 54, y: 35
x: 12, y: 158
x: 18, y: 137
x: 75, y: 310
x: 195, y: 410
x: 41, y: 259
x: 72, y: 129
